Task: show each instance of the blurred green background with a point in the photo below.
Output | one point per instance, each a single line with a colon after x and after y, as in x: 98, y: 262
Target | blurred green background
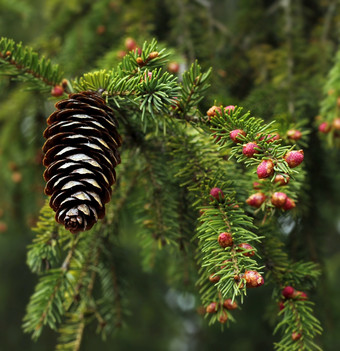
x: 271, y: 57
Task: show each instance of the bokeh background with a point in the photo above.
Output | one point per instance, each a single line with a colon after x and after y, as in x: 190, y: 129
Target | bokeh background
x: 271, y: 57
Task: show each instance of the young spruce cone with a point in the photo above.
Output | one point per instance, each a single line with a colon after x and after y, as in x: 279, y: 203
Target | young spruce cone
x: 80, y: 156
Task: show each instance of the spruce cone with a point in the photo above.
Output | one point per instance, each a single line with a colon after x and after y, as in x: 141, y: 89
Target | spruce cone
x: 80, y: 156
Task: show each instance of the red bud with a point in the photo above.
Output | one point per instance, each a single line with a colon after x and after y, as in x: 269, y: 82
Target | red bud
x: 265, y: 169
x: 294, y: 158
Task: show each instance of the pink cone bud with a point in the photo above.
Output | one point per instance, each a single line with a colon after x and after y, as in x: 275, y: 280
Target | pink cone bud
x: 246, y: 247
x: 265, y: 169
x: 294, y: 158
x: 235, y: 135
x: 256, y: 185
x: 294, y: 134
x: 288, y: 292
x: 213, y: 110
x: 281, y: 180
x: 229, y: 305
x: 130, y: 44
x: 229, y: 108
x: 175, y: 103
x: 217, y: 194
x: 250, y: 149
x: 253, y: 279
x: 289, y: 204
x: 57, y: 91
x: 279, y: 199
x: 336, y: 123
x: 296, y: 336
x: 300, y: 295
x: 223, y: 317
x: 173, y: 67
x: 270, y: 137
x: 281, y: 305
x: 324, y: 127
x: 225, y: 239
x: 256, y: 200
x: 121, y: 54
x: 212, y: 307
x: 214, y: 278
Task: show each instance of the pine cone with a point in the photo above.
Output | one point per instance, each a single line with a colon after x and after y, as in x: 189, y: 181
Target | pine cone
x: 80, y: 156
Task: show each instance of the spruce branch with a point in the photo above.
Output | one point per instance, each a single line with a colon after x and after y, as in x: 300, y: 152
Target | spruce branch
x: 45, y: 251
x: 159, y: 215
x: 252, y: 130
x: 83, y: 279
x: 201, y: 167
x: 328, y: 121
x: 193, y: 87
x: 71, y: 332
x: 46, y: 305
x: 299, y: 327
x: 24, y: 64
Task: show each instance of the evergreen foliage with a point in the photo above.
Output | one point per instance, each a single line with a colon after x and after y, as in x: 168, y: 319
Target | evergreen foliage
x: 178, y: 145
x: 67, y: 289
x: 26, y: 65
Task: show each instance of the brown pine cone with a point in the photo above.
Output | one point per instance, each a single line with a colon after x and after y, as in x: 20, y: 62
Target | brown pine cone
x: 81, y: 152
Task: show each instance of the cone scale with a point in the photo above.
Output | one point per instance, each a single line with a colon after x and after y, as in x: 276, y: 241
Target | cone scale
x: 80, y: 156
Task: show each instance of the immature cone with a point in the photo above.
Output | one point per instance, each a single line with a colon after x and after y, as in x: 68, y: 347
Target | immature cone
x: 211, y: 308
x: 57, y: 91
x: 265, y: 169
x: 324, y: 127
x: 256, y: 200
x: 279, y: 199
x: 270, y: 137
x: 80, y: 156
x: 225, y: 239
x: 281, y: 180
x: 250, y: 149
x: 257, y: 185
x: 294, y: 158
x: 235, y: 135
x: 296, y: 336
x: 288, y: 292
x: 214, y: 278
x: 229, y: 305
x: 173, y: 67
x: 246, y: 247
x: 336, y: 123
x: 281, y: 305
x: 223, y: 317
x: 130, y: 44
x: 289, y: 204
x: 300, y: 295
x: 213, y: 110
x: 294, y: 134
x: 229, y: 108
x: 217, y: 194
x: 253, y: 279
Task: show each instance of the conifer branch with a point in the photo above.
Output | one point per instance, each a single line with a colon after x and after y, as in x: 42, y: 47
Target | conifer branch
x: 45, y: 251
x: 46, y: 305
x: 83, y: 281
x: 251, y: 130
x: 24, y: 64
x: 328, y: 122
x: 298, y: 326
x: 193, y: 87
x: 71, y: 332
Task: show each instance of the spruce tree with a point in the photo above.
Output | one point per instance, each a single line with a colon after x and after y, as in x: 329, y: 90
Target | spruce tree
x: 197, y: 169
x: 162, y: 179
